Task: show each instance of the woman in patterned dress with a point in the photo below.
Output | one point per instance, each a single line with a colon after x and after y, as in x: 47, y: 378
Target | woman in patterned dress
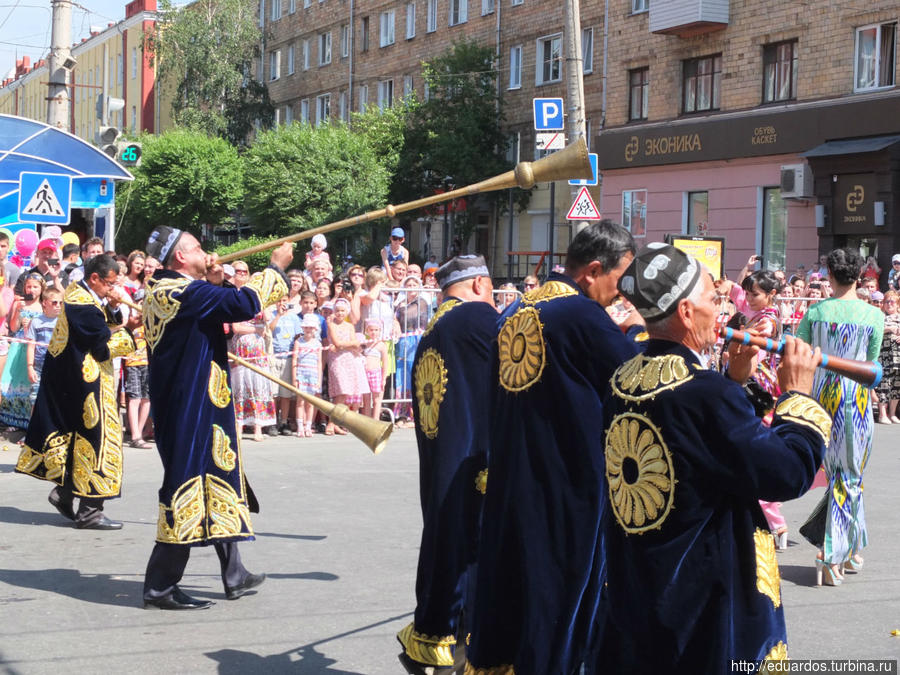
x: 254, y: 403
x: 889, y: 387
x: 844, y: 326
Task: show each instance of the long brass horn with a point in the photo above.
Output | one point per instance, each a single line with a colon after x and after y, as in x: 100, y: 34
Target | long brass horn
x: 372, y: 432
x: 569, y: 163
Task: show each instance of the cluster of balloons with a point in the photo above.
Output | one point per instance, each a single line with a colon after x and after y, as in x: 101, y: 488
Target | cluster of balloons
x: 26, y: 241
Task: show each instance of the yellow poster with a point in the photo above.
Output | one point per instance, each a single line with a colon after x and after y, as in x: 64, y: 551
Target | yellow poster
x: 708, y: 250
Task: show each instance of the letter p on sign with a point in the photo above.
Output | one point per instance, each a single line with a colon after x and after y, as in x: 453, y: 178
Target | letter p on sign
x: 548, y: 114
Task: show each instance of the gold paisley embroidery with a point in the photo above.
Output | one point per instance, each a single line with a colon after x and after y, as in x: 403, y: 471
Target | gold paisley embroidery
x: 228, y: 515
x: 90, y: 371
x: 549, y: 291
x: 56, y: 447
x: 431, y: 385
x: 107, y: 480
x: 803, y: 410
x: 219, y: 393
x: 639, y: 472
x: 28, y: 461
x: 481, y: 481
x: 494, y: 670
x: 269, y: 287
x: 222, y: 453
x: 778, y: 653
x: 768, y: 578
x: 445, y: 307
x: 120, y: 344
x: 83, y: 464
x: 522, y: 351
x: 433, y: 650
x: 90, y: 412
x: 161, y: 306
x: 187, y: 511
x: 60, y: 337
x: 644, y: 377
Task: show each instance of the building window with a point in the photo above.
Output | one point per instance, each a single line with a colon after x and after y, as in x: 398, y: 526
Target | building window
x: 426, y: 91
x: 342, y: 106
x: 640, y: 6
x: 773, y: 236
x: 549, y: 59
x: 304, y: 111
x: 515, y: 67
x: 407, y: 86
x: 431, y: 16
x: 288, y: 114
x: 345, y: 41
x: 290, y: 59
x: 364, y: 35
x: 325, y: 48
x: 120, y: 70
x: 697, y: 221
x: 459, y: 12
x: 385, y: 94
x: 639, y: 88
x: 133, y: 118
x: 634, y: 212
x: 292, y: 7
x: 702, y: 83
x: 276, y: 10
x: 780, y: 72
x: 262, y: 13
x: 323, y: 109
x: 487, y: 7
x: 516, y: 2
x: 304, y: 53
x: 133, y: 62
x: 386, y: 23
x: 363, y: 97
x: 410, y: 20
x: 587, y: 50
x: 275, y: 64
x: 876, y: 54
x: 307, y: 3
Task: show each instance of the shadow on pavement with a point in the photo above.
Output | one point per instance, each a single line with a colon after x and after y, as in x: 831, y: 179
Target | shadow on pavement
x: 307, y: 537
x: 10, y: 514
x: 798, y: 575
x: 303, y: 660
x: 99, y: 588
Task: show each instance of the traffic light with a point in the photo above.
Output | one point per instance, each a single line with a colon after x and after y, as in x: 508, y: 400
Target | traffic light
x: 106, y: 140
x: 129, y: 153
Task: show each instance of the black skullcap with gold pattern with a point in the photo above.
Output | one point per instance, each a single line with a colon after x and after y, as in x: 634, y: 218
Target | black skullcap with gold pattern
x: 658, y: 278
x: 162, y: 242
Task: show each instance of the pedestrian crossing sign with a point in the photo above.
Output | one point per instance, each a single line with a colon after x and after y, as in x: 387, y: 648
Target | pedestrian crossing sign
x: 44, y: 198
x: 584, y: 207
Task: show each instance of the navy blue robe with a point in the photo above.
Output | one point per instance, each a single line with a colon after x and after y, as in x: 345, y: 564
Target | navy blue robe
x: 204, y: 498
x: 452, y: 397
x: 540, y: 557
x: 691, y: 572
x: 75, y: 425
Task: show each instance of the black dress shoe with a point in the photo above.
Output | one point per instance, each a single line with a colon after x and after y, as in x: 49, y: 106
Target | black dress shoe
x: 100, y: 522
x: 60, y: 504
x: 176, y: 599
x: 252, y: 581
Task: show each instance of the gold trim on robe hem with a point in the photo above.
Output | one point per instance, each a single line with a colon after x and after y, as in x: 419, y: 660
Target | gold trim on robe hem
x: 227, y: 512
x: 107, y: 475
x: 432, y: 650
x: 493, y: 670
x: 52, y: 456
x: 804, y: 410
x: 201, y: 511
x: 481, y: 481
x: 768, y: 577
x: 778, y: 653
x: 188, y: 513
x: 219, y: 393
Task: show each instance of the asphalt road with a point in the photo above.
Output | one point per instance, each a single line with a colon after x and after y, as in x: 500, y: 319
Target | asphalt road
x: 338, y: 537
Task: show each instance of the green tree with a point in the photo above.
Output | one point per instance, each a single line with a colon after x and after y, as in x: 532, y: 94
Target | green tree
x: 186, y: 179
x: 205, y: 53
x: 297, y: 177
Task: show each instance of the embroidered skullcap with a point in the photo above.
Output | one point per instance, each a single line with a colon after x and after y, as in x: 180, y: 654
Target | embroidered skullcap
x: 658, y: 278
x: 162, y: 242
x: 310, y: 321
x: 460, y: 268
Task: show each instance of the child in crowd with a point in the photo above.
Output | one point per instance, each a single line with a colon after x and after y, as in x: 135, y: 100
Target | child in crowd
x: 285, y: 327
x: 346, y: 374
x: 307, y: 367
x: 15, y: 385
x: 308, y: 304
x: 377, y: 365
x: 318, y: 252
x: 393, y: 252
x: 38, y: 333
x: 137, y: 389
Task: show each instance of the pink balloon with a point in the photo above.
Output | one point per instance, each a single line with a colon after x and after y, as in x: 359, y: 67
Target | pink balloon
x: 26, y: 242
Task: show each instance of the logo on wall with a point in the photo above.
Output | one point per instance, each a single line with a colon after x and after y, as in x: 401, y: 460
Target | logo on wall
x: 855, y: 197
x: 632, y: 148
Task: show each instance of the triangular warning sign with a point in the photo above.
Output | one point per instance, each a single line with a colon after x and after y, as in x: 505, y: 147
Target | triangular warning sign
x: 44, y: 202
x: 584, y: 207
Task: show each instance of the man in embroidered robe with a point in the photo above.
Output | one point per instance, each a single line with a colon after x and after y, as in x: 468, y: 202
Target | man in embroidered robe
x: 693, y: 583
x: 452, y: 396
x: 204, y: 498
x: 539, y: 559
x: 74, y: 438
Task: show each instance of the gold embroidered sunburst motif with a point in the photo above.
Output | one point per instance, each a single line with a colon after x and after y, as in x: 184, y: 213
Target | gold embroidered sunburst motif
x: 60, y: 337
x: 768, y: 578
x: 219, y: 393
x: 222, y: 453
x: 434, y: 650
x: 803, y: 410
x: 639, y: 472
x: 161, y: 306
x: 90, y: 413
x: 445, y: 307
x: 431, y: 384
x: 549, y: 291
x: 644, y: 377
x: 481, y: 481
x: 90, y: 371
x: 521, y: 350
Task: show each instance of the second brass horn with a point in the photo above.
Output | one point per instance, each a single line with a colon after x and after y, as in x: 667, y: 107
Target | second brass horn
x: 372, y: 432
x: 570, y: 163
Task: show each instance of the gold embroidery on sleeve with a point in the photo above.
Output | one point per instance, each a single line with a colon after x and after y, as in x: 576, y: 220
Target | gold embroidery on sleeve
x: 803, y: 410
x: 223, y: 456
x: 219, y: 393
x: 768, y: 578
x: 268, y: 286
x: 120, y: 344
x: 431, y: 384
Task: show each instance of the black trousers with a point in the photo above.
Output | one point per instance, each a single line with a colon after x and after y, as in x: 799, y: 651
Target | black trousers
x: 89, y: 508
x: 167, y: 562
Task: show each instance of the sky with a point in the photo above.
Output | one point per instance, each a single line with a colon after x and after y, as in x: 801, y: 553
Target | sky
x: 25, y: 26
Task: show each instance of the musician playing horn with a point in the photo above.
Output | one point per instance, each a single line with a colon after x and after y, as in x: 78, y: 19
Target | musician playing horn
x: 693, y: 584
x: 204, y: 498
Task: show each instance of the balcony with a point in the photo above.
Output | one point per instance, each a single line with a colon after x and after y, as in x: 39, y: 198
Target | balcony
x: 687, y: 18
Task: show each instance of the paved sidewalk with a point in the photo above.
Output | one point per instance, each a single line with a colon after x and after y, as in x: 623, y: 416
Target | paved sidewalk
x: 338, y: 536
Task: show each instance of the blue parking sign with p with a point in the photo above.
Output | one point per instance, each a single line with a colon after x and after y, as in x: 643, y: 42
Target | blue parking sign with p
x: 548, y: 114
